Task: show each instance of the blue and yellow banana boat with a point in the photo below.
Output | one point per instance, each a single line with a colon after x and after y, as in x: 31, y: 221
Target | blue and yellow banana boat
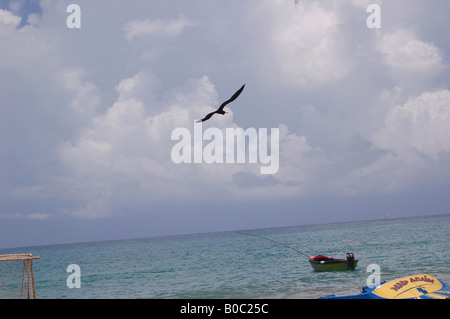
x: 411, y: 287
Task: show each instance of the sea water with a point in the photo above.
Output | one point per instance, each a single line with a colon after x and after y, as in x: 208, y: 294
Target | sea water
x: 234, y: 265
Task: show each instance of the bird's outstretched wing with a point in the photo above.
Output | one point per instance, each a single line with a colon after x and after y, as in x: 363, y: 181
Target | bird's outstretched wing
x: 234, y: 97
x: 207, y: 117
x: 220, y: 109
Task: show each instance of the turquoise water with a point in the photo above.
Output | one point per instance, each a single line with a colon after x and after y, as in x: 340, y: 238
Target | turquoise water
x: 232, y: 265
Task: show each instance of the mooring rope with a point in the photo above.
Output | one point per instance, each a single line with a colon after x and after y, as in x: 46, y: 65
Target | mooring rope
x: 307, y: 256
x: 362, y: 233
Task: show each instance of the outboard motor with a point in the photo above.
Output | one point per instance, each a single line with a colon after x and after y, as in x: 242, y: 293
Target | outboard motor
x: 350, y: 258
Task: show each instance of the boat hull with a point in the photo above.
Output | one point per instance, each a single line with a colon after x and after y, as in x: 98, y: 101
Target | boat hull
x: 324, y: 263
x: 333, y: 265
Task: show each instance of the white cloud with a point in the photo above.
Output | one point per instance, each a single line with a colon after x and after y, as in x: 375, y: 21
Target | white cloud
x: 86, y: 98
x: 16, y: 43
x: 422, y: 124
x: 129, y: 147
x: 301, y: 43
x: 406, y: 54
x: 361, y: 3
x: 166, y: 27
x: 416, y: 140
x: 41, y: 216
x: 7, y: 17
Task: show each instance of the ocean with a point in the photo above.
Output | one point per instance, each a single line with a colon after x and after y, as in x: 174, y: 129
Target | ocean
x: 230, y: 265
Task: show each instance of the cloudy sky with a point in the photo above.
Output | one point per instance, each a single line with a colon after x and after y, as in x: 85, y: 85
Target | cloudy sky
x: 86, y: 114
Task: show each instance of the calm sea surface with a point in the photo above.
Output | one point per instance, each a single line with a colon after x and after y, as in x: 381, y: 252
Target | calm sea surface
x: 233, y: 265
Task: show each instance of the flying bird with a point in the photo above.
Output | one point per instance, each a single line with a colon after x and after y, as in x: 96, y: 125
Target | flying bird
x: 220, y: 109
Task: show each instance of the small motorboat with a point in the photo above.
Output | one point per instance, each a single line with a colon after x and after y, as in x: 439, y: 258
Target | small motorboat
x: 324, y: 263
x: 411, y: 287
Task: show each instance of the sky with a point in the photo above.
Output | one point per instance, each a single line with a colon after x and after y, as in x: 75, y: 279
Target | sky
x: 87, y: 114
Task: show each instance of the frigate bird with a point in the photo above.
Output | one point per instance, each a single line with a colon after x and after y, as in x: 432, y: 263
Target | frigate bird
x: 220, y: 109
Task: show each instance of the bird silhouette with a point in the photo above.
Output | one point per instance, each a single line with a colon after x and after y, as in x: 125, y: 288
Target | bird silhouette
x: 220, y: 109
